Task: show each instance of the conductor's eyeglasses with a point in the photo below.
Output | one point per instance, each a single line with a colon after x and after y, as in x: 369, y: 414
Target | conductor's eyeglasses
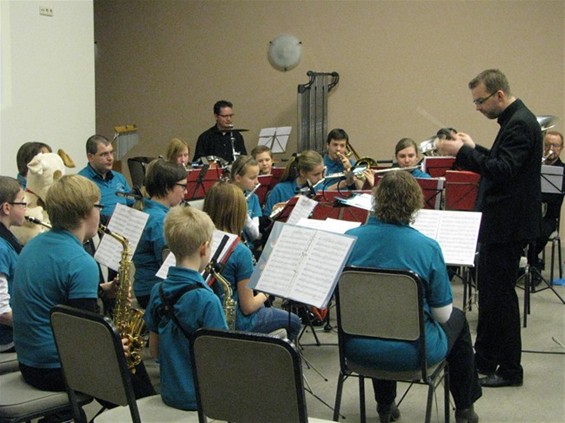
x: 227, y: 116
x: 480, y: 101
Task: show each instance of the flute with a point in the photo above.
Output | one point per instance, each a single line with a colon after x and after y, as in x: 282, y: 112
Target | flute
x: 37, y: 221
x: 252, y: 191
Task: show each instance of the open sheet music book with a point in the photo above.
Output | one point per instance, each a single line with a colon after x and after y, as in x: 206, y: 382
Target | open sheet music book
x: 275, y: 138
x: 455, y: 231
x: 127, y: 222
x: 216, y: 239
x: 301, y: 264
x: 329, y: 225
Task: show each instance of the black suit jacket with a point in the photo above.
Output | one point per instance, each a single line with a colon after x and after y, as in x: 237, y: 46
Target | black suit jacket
x: 510, y: 189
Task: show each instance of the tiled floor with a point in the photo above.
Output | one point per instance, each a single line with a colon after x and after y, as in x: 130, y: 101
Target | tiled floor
x: 540, y: 399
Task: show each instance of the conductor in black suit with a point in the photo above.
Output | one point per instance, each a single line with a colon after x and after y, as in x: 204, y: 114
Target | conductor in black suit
x: 510, y: 201
x: 221, y: 140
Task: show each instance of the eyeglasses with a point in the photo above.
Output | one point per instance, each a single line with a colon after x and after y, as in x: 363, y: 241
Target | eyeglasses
x: 19, y: 203
x: 548, y: 146
x: 99, y: 206
x: 182, y: 185
x: 480, y: 101
x: 227, y: 116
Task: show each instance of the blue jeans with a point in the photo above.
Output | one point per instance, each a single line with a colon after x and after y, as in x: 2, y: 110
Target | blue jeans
x: 270, y: 319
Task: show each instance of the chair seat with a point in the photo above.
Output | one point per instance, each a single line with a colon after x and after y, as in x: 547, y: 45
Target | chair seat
x: 406, y: 375
x: 8, y: 363
x: 20, y: 401
x: 151, y: 409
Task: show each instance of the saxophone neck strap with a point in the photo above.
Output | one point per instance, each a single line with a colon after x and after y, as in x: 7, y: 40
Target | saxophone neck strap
x: 168, y: 306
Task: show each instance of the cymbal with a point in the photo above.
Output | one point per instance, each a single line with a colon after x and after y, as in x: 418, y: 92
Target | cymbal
x: 233, y: 130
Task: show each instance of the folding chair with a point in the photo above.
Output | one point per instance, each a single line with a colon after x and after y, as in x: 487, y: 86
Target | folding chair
x: 232, y: 374
x: 367, y: 301
x: 8, y: 363
x: 93, y: 362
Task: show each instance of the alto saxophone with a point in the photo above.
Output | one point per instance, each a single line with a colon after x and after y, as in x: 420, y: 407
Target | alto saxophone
x: 229, y: 305
x: 128, y: 320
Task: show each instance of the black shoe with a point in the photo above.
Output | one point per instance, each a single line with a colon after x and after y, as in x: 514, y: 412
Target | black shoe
x: 497, y: 381
x: 467, y: 415
x: 388, y: 414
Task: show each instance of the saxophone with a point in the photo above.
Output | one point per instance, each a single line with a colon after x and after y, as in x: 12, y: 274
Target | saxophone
x: 230, y: 305
x: 128, y: 320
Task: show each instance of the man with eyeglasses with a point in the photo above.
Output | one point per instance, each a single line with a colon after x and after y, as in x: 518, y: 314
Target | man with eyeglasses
x: 100, y: 155
x: 552, y: 146
x: 510, y: 201
x: 221, y: 140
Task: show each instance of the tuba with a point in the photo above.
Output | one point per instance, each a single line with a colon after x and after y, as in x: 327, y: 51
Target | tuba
x: 128, y: 320
x: 229, y: 304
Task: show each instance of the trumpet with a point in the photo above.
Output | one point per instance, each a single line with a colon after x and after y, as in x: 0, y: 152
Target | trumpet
x: 547, y: 155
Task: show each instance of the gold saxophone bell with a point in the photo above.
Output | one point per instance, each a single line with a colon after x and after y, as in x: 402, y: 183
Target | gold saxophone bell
x: 229, y: 304
x: 128, y: 320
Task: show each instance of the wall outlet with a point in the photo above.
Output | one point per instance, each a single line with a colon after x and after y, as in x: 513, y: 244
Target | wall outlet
x: 46, y: 11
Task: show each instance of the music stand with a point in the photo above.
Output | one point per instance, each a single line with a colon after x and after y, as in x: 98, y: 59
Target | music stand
x: 437, y: 166
x: 275, y: 138
x: 432, y: 188
x: 461, y: 188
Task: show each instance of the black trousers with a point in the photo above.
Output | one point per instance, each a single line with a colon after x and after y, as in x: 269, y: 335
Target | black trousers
x: 463, y: 379
x: 52, y: 380
x: 498, y: 345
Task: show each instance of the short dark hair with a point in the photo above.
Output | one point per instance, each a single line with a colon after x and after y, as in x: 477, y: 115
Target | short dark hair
x: 261, y: 149
x: 397, y: 198
x: 162, y: 176
x: 337, y: 134
x: 220, y: 105
x: 93, y: 141
x: 494, y: 81
x: 27, y: 152
x: 9, y: 189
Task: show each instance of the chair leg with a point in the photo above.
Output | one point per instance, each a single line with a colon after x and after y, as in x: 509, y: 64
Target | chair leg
x: 362, y: 408
x: 338, y: 393
x: 446, y: 393
x: 430, y: 402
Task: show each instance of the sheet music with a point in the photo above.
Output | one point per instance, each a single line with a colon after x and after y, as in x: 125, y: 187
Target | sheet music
x: 127, y: 222
x: 303, y: 265
x: 551, y: 179
x: 455, y: 231
x: 302, y: 209
x: 217, y: 237
x: 275, y: 138
x: 362, y: 201
x: 329, y: 225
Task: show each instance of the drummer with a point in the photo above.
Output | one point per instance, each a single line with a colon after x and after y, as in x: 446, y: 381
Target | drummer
x: 406, y: 155
x: 221, y: 140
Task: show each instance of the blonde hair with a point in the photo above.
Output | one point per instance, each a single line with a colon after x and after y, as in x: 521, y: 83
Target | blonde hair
x: 397, y: 198
x: 186, y: 229
x: 303, y: 162
x: 226, y: 206
x: 69, y: 200
x: 175, y: 147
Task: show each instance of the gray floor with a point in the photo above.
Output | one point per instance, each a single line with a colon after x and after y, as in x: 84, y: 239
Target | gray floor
x: 540, y: 399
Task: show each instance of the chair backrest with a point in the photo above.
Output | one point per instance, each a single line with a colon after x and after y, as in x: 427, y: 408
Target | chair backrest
x: 368, y: 300
x: 234, y: 374
x: 92, y: 357
x: 136, y: 166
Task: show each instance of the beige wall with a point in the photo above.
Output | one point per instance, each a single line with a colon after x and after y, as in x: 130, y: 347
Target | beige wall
x: 404, y: 65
